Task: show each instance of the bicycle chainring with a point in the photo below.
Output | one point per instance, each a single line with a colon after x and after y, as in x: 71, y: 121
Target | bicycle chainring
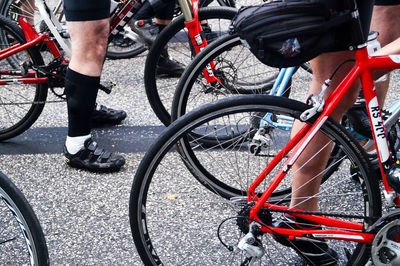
x: 385, y: 248
x: 56, y: 80
x: 121, y: 41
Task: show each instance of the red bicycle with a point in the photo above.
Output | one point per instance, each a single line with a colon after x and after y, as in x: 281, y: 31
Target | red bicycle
x: 228, y: 216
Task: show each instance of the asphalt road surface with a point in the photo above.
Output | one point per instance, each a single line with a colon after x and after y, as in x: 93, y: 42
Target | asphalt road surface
x: 84, y: 215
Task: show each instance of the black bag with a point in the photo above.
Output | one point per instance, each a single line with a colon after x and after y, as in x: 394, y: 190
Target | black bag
x: 289, y: 33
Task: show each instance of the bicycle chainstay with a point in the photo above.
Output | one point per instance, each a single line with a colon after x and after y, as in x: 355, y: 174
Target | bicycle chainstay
x: 326, y: 214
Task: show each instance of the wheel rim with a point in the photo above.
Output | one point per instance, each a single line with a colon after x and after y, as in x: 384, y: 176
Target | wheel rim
x: 181, y: 217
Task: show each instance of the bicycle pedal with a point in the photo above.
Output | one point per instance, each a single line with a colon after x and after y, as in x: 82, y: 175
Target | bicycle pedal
x: 107, y: 86
x: 25, y: 68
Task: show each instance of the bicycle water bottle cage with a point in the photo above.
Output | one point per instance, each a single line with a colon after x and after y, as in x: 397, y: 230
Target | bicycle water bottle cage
x: 289, y: 33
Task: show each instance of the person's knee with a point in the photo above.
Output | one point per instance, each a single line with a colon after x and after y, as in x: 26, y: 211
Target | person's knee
x: 323, y: 67
x: 97, y: 45
x: 89, y: 40
x: 101, y: 31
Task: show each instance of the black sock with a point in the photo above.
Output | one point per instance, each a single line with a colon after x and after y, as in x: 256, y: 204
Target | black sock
x: 81, y: 92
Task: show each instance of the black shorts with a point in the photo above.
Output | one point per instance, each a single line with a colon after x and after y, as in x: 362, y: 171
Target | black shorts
x: 387, y: 2
x: 84, y: 10
x: 365, y: 8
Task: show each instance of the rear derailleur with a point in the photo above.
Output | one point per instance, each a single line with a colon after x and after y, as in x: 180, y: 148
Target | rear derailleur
x: 251, y: 245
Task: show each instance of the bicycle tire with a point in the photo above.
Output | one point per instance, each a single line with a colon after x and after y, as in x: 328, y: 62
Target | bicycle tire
x: 12, y: 9
x: 26, y: 238
x: 154, y: 90
x: 212, y: 53
x: 121, y: 47
x: 115, y: 49
x: 190, y: 77
x: 193, y: 90
x: 20, y: 105
x: 174, y: 220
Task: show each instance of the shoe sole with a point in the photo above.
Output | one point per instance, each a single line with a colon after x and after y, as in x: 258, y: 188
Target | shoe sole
x: 112, y: 169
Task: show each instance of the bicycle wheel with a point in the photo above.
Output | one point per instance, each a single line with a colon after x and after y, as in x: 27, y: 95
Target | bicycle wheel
x: 176, y: 221
x: 14, y: 9
x: 125, y: 45
x: 21, y: 240
x: 174, y: 38
x: 239, y: 71
x: 20, y: 104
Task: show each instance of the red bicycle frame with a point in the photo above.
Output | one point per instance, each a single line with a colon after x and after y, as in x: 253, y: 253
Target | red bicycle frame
x: 349, y: 231
x: 32, y: 39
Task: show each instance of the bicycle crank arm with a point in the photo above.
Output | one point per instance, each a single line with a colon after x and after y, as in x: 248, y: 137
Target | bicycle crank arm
x: 107, y: 87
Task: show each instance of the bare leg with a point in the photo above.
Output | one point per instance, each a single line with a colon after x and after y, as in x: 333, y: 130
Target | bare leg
x: 89, y: 44
x: 383, y: 19
x: 306, y: 170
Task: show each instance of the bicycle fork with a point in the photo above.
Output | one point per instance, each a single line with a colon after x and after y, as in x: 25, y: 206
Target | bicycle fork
x: 197, y: 38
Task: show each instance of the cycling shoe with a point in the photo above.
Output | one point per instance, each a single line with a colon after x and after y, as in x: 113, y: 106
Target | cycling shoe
x: 167, y: 67
x: 359, y: 119
x: 103, y: 115
x: 146, y: 29
x: 312, y: 251
x: 94, y: 159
